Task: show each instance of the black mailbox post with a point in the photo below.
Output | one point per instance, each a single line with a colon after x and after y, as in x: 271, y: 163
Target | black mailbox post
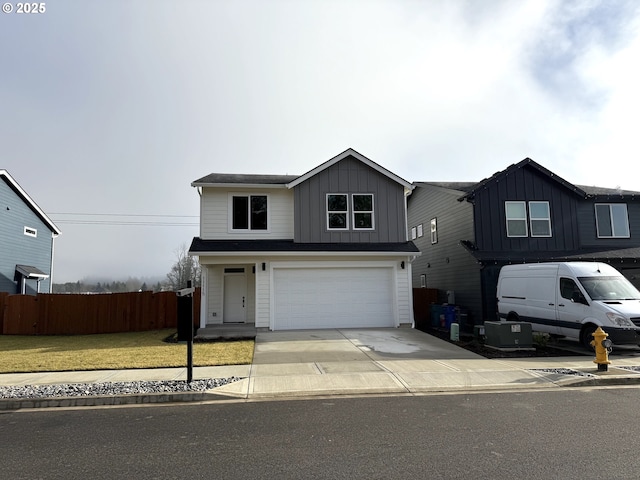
x: 185, y: 324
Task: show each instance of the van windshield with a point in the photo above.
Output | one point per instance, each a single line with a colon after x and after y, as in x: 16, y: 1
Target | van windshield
x: 609, y: 288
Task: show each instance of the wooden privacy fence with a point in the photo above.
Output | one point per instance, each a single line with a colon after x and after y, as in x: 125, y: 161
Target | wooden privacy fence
x: 83, y: 314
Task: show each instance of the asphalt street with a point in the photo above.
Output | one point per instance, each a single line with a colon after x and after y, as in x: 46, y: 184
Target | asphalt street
x: 568, y: 434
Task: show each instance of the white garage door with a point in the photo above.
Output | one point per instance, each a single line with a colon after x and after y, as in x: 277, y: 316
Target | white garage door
x: 332, y: 298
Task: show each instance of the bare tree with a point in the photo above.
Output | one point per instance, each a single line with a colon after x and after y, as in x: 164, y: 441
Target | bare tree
x: 186, y: 268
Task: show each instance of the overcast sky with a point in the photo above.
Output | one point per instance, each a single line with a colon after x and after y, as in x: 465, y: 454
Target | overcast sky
x: 115, y: 107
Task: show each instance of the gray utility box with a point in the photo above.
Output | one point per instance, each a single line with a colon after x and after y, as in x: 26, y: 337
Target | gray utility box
x: 508, y: 334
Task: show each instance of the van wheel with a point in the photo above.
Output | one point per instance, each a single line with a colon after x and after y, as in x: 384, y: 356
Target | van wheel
x: 586, y: 336
x: 513, y: 317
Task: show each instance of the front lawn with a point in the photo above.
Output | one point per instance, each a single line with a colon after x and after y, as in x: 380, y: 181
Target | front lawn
x: 114, y: 351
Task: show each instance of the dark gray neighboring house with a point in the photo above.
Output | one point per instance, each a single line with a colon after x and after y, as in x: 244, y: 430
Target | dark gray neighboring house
x: 26, y: 241
x: 523, y: 214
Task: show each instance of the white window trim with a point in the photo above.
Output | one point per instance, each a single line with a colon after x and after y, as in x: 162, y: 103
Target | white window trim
x: 548, y: 219
x: 613, y: 235
x: 346, y: 212
x: 433, y: 230
x: 230, y: 212
x: 506, y: 218
x: 420, y: 231
x: 31, y: 232
x: 372, y: 212
x: 414, y: 233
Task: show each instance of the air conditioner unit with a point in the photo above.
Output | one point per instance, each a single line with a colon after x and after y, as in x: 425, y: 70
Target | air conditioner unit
x: 508, y: 334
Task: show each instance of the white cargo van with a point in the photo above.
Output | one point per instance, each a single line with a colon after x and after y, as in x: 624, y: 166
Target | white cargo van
x: 571, y: 299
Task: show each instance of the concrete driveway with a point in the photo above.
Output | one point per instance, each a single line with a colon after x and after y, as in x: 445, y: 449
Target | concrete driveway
x: 376, y: 360
x: 353, y: 345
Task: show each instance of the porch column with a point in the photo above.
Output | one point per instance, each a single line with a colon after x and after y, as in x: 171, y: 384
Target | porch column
x: 204, y: 276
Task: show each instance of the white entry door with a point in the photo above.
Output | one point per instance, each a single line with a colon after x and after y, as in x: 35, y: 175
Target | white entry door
x: 235, y: 299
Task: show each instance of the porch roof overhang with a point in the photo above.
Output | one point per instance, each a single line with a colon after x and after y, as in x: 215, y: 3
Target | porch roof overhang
x: 624, y: 255
x: 32, y: 273
x: 202, y: 247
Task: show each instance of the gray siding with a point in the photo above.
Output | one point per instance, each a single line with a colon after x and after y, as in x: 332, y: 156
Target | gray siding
x: 525, y: 184
x: 349, y: 176
x: 18, y: 248
x: 446, y: 264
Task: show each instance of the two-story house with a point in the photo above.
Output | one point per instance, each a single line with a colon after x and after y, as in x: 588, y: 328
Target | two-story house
x: 26, y: 241
x: 525, y: 213
x: 327, y: 249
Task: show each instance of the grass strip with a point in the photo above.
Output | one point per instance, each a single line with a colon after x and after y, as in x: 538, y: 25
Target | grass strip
x: 114, y: 351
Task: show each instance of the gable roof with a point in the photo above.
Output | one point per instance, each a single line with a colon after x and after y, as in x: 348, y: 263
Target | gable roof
x: 290, y: 181
x: 8, y: 179
x: 350, y: 152
x: 526, y: 163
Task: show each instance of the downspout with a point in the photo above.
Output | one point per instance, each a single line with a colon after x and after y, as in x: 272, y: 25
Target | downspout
x: 53, y: 239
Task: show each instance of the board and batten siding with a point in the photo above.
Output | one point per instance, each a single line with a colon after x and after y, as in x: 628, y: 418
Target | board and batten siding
x: 586, y: 219
x: 349, y: 176
x: 18, y: 248
x: 447, y: 265
x: 214, y: 214
x: 525, y: 184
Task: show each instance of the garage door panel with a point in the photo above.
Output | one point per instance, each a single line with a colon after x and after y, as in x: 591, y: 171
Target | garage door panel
x: 333, y: 298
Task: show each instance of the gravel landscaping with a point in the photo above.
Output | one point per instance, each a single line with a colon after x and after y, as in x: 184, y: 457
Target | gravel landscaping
x: 112, y: 388
x: 562, y: 371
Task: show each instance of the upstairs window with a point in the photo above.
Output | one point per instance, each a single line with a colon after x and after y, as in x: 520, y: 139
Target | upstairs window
x: 525, y: 219
x: 434, y: 231
x: 356, y: 213
x: 337, y: 211
x: 249, y: 212
x: 516, y: 213
x: 362, y: 211
x: 540, y: 219
x: 612, y: 220
x: 30, y: 232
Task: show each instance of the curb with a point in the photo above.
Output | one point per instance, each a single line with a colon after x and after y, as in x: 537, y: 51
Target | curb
x: 7, y: 404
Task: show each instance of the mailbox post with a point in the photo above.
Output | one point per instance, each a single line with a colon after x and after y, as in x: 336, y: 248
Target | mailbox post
x: 185, y: 324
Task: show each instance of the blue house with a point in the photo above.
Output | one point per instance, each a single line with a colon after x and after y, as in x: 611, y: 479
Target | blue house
x: 26, y: 241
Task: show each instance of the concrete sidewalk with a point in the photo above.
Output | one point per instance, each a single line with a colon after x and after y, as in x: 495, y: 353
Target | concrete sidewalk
x: 347, y: 362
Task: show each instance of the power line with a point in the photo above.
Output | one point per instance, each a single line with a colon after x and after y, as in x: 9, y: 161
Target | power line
x: 120, y: 223
x: 79, y: 220
x: 124, y: 215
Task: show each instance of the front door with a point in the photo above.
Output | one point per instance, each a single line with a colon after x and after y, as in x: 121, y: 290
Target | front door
x: 235, y: 298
